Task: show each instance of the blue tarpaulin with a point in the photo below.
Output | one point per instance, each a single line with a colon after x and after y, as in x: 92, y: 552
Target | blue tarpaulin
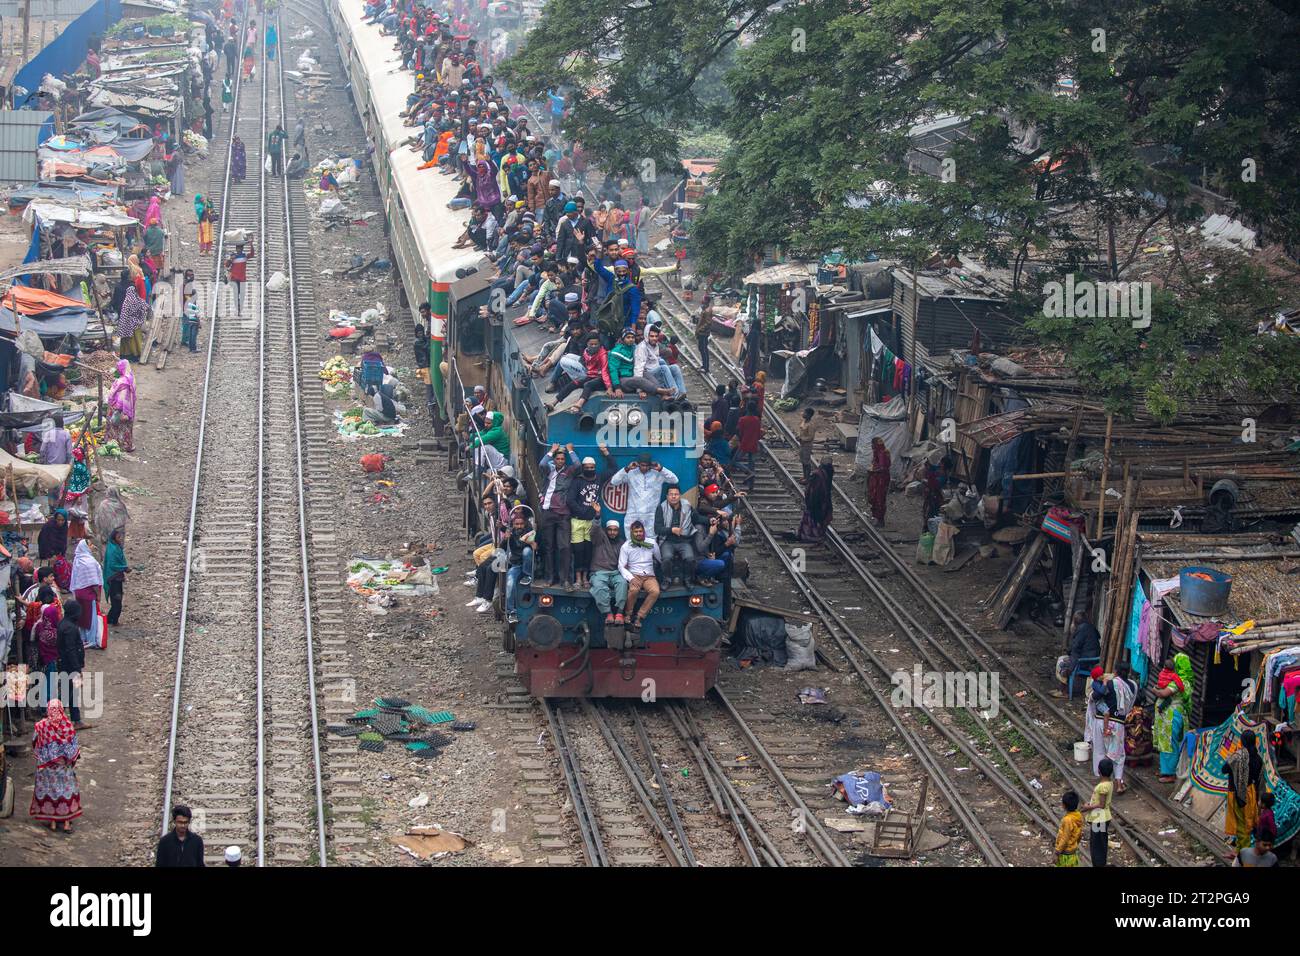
x: 67, y: 51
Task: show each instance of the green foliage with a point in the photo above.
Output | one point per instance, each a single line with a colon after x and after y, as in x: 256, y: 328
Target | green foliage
x: 633, y: 75
x: 1202, y: 346
x: 1166, y: 96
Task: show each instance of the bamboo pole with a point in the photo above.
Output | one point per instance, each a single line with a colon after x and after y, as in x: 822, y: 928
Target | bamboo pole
x: 1105, y: 477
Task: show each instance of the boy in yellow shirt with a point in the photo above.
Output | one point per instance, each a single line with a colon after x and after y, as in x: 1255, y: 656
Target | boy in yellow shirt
x: 1098, y: 812
x: 1070, y: 831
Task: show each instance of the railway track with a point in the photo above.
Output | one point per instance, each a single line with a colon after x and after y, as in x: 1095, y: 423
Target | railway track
x: 648, y: 788
x: 244, y: 747
x: 1019, y: 767
x: 1029, y: 775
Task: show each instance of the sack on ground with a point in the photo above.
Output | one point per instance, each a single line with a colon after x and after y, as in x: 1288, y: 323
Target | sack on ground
x: 925, y: 549
x: 800, y: 649
x: 945, y: 544
x: 763, y: 639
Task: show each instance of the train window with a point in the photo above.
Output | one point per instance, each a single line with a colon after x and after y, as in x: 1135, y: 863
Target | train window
x: 470, y: 327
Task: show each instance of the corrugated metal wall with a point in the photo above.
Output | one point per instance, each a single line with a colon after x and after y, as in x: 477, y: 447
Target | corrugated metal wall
x: 21, y: 131
x: 948, y: 323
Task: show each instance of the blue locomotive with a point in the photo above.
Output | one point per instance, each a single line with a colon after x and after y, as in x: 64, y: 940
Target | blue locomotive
x: 561, y: 643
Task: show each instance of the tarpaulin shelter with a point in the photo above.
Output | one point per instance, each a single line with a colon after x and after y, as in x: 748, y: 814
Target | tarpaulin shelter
x: 888, y: 422
x: 67, y: 51
x: 58, y: 191
x: 32, y: 477
x: 29, y: 300
x: 31, y: 414
x: 80, y: 216
x: 105, y: 125
x: 50, y: 324
x: 1211, y: 748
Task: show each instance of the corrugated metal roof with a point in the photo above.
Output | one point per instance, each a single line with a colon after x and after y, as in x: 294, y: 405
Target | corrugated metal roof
x: 19, y: 136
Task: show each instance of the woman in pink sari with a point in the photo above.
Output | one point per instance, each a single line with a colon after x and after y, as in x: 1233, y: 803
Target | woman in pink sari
x: 154, y: 213
x: 121, y: 407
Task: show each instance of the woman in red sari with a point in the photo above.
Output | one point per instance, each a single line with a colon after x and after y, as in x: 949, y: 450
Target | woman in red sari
x: 878, y: 480
x: 56, y: 798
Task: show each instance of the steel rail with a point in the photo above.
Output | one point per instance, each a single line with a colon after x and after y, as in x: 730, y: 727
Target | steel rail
x: 584, y: 813
x: 669, y: 803
x: 302, y: 493
x: 725, y: 798
x: 169, y: 774
x: 679, y: 856
x: 260, y: 312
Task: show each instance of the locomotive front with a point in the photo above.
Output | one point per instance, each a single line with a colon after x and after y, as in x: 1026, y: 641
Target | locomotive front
x: 562, y: 643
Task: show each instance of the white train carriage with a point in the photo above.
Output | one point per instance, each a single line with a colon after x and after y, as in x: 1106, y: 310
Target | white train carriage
x: 421, y: 227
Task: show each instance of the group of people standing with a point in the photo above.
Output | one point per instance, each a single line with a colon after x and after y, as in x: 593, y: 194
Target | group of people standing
x: 60, y: 616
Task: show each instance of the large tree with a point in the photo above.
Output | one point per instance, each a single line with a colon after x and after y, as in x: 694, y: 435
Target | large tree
x: 1092, y: 128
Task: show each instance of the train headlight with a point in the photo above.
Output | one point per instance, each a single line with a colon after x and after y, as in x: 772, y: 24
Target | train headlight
x: 546, y: 600
x: 697, y: 600
x: 613, y: 416
x: 545, y: 632
x: 634, y: 417
x: 702, y: 633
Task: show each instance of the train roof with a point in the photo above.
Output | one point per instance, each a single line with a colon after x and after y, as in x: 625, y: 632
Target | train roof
x: 563, y: 426
x: 424, y: 192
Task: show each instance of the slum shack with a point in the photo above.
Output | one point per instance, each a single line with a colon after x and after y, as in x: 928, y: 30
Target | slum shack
x: 780, y: 317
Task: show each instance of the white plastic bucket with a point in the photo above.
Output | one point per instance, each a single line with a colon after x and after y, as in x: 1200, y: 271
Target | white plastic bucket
x: 1082, y: 751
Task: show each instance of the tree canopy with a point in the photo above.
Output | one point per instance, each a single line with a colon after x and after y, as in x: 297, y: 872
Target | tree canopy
x: 1089, y: 127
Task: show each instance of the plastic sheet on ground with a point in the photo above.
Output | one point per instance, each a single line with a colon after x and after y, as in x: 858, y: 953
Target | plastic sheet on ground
x: 376, y: 577
x: 352, y: 425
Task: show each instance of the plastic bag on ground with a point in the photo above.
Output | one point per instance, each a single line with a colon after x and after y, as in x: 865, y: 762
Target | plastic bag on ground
x: 800, y: 650
x: 330, y: 205
x: 278, y: 282
x: 925, y: 549
x: 348, y: 174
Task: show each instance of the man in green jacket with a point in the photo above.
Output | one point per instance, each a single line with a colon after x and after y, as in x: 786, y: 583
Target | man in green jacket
x: 622, y: 363
x: 495, y: 435
x: 275, y: 141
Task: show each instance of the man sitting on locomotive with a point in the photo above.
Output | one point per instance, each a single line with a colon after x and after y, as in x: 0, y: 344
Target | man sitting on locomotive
x: 608, y: 586
x: 636, y: 563
x: 675, y: 533
x: 596, y: 366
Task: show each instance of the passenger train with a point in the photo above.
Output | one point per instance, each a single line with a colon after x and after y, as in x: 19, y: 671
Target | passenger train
x: 559, y: 642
